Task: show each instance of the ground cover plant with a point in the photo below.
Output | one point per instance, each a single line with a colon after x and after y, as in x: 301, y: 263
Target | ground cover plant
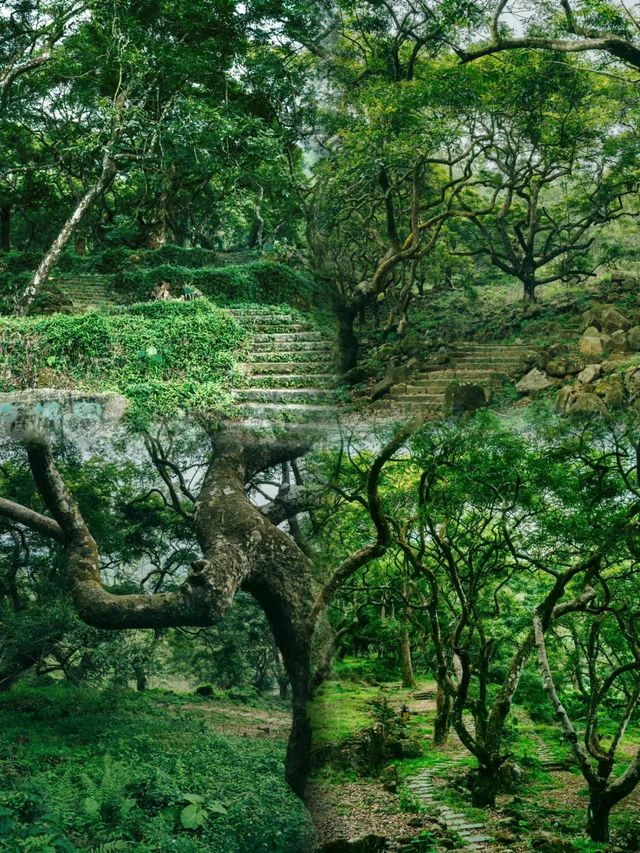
x: 83, y: 769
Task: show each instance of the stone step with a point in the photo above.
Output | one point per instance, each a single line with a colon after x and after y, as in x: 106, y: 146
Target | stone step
x: 285, y: 368
x: 451, y: 373
x: 86, y: 292
x: 280, y: 337
x: 83, y: 289
x: 301, y: 410
x: 421, y: 389
x: 430, y: 386
x: 260, y: 311
x: 263, y: 319
x: 275, y: 328
x: 286, y: 395
x: 303, y: 357
x: 293, y: 380
x: 470, y: 832
x: 429, y: 400
x: 89, y: 294
x: 486, y: 360
x: 499, y: 349
x: 290, y: 346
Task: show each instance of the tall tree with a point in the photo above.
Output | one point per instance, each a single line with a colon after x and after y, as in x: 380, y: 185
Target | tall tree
x: 553, y: 174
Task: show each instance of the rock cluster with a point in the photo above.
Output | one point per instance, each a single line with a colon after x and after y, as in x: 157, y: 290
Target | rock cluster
x: 595, y: 384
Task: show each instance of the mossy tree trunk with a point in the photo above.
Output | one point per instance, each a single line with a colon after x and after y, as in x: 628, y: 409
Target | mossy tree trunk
x: 242, y: 549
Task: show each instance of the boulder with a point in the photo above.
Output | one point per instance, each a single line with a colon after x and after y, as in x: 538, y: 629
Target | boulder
x: 390, y: 779
x: 464, y: 397
x: 633, y: 339
x: 355, y: 376
x: 611, y: 391
x: 555, y: 351
x: 590, y: 373
x: 381, y: 388
x: 619, y: 341
x: 591, y: 343
x: 605, y: 318
x: 611, y: 320
x: 564, y: 398
x: 632, y: 382
x: 588, y: 405
x: 591, y: 317
x: 534, y: 382
x: 579, y: 400
x: 547, y: 842
x: 610, y: 365
x: 562, y: 366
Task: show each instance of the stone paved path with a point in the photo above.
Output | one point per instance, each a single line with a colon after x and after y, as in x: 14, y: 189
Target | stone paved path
x: 473, y: 834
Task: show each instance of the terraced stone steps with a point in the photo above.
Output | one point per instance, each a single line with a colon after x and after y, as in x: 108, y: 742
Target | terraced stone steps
x: 287, y: 395
x: 291, y: 380
x: 87, y: 292
x: 472, y: 834
x: 289, y: 368
x: 482, y: 364
x: 286, y: 368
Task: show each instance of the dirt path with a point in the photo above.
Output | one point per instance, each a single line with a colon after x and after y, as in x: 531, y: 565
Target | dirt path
x: 243, y: 722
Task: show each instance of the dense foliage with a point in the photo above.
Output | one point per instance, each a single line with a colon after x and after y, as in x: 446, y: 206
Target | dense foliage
x: 163, y: 356
x: 87, y: 770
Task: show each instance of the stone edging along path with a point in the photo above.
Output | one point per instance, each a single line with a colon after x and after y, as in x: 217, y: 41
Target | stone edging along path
x: 472, y: 833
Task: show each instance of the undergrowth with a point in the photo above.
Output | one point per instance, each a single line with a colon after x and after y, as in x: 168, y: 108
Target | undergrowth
x: 85, y: 770
x: 162, y: 356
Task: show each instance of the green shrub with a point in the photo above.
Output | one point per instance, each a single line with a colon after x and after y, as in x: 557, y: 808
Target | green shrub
x: 258, y: 282
x: 162, y: 356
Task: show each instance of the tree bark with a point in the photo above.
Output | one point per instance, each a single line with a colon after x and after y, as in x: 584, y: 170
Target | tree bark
x: 529, y: 291
x: 408, y: 678
x: 485, y: 786
x: 347, y: 338
x: 5, y: 228
x: 241, y: 549
x: 598, y: 813
x: 256, y: 237
x: 51, y: 258
x: 442, y: 722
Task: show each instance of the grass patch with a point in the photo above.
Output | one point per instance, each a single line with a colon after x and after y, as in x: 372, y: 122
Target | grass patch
x: 86, y: 770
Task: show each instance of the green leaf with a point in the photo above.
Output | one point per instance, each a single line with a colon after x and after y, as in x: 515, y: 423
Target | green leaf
x: 193, y: 798
x: 217, y: 808
x: 193, y: 816
x: 91, y: 806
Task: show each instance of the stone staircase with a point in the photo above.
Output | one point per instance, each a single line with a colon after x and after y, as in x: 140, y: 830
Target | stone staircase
x: 290, y: 371
x: 482, y: 364
x: 472, y: 834
x: 86, y: 292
